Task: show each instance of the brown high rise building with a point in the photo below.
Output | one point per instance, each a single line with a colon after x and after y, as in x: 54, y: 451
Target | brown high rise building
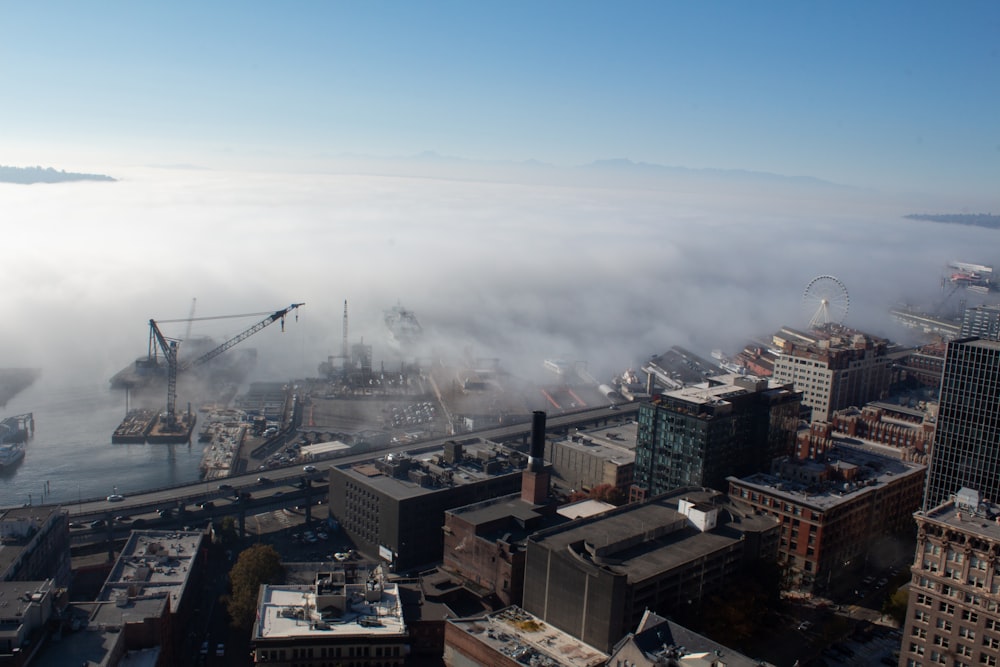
x: 953, y: 617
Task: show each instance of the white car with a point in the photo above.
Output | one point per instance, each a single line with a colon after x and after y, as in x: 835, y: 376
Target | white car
x: 309, y: 468
x: 116, y: 498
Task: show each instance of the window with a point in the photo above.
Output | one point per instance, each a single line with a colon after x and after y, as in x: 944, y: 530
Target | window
x: 943, y: 624
x: 946, y: 608
x: 919, y: 633
x: 968, y: 633
x: 970, y: 616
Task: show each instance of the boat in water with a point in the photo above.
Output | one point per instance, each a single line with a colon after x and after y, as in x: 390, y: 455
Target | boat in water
x: 14, y: 434
x: 11, y: 454
x: 403, y: 328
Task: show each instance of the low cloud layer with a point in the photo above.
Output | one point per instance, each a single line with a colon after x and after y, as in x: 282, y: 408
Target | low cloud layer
x: 578, y: 267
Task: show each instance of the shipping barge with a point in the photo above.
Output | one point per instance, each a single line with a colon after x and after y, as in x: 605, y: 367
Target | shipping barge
x: 164, y: 433
x: 145, y: 426
x: 134, y: 428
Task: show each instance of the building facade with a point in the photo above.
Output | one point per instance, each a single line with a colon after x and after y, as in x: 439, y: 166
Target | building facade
x: 965, y: 452
x: 699, y: 435
x: 35, y: 545
x: 590, y: 458
x: 393, y: 507
x: 953, y: 614
x: 348, y: 616
x: 834, y: 368
x: 832, y: 510
x: 981, y: 322
x: 594, y: 578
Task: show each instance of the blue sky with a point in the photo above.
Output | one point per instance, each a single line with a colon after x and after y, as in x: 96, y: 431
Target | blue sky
x: 902, y: 96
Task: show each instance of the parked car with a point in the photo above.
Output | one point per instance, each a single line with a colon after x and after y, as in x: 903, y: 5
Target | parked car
x: 220, y: 650
x: 204, y: 648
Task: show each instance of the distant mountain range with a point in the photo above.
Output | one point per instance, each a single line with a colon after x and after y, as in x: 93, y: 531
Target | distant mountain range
x: 987, y: 220
x: 621, y: 169
x: 28, y: 175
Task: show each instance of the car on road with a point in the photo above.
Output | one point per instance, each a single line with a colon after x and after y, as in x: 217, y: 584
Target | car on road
x: 204, y: 648
x: 220, y: 650
x: 309, y: 468
x: 225, y: 487
x: 116, y: 498
x: 123, y: 518
x: 263, y: 480
x: 97, y: 523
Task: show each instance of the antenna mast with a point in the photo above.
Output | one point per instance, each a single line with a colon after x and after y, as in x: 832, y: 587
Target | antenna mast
x: 343, y: 351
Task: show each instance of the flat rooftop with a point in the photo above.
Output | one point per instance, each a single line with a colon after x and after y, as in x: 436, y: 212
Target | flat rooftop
x: 18, y: 526
x: 612, y: 443
x: 874, y: 471
x: 644, y: 540
x: 984, y: 521
x: 477, y: 453
x: 152, y: 570
x: 524, y: 637
x: 721, y: 387
x: 369, y: 606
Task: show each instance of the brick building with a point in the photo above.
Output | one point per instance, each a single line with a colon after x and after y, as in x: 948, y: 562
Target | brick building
x: 832, y: 507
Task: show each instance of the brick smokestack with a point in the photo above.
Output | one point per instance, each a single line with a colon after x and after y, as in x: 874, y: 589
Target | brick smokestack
x: 535, y: 478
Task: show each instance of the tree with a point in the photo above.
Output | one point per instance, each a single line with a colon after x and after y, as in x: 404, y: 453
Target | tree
x: 226, y: 533
x: 895, y: 605
x: 257, y: 565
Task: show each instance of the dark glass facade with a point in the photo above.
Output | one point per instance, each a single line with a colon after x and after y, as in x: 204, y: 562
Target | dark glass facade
x: 966, y: 449
x: 682, y: 442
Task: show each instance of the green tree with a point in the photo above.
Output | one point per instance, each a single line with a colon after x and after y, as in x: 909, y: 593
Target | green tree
x: 226, y: 532
x: 257, y: 565
x: 895, y: 605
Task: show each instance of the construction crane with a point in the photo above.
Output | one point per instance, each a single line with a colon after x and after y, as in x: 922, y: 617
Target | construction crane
x: 169, y: 348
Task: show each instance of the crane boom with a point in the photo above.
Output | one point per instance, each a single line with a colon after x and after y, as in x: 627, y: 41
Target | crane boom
x: 170, y: 354
x: 270, y: 319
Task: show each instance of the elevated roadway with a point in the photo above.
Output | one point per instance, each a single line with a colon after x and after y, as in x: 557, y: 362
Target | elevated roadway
x: 221, y: 491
